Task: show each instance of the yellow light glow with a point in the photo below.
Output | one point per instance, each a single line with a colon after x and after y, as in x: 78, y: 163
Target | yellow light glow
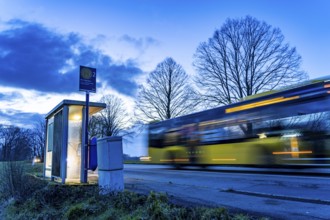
x: 212, y: 122
x: 76, y: 117
x: 174, y: 160
x: 224, y: 159
x: 36, y: 160
x: 71, y: 162
x: 145, y: 158
x: 164, y: 160
x: 292, y: 152
x: 181, y: 160
x: 294, y: 147
x: 262, y: 136
x: 259, y: 104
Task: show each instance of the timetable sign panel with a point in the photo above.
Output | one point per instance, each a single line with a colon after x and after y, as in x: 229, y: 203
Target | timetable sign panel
x: 87, y: 79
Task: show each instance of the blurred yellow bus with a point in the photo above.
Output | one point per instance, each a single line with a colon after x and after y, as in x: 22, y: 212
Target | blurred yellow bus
x: 284, y: 127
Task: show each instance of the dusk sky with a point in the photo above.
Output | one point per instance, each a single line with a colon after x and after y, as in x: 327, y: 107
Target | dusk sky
x: 43, y: 43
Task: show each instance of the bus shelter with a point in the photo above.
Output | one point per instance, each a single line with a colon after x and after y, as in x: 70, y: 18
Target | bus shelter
x: 64, y: 129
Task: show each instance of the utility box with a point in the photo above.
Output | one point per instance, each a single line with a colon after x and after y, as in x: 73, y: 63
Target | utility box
x: 110, y: 164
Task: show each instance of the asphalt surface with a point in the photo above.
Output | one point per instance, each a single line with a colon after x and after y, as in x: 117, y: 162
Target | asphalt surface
x: 278, y: 195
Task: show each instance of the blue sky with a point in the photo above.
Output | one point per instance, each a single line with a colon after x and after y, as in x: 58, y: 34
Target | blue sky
x: 42, y: 43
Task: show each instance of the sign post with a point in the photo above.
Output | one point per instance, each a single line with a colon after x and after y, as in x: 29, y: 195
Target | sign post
x: 87, y: 83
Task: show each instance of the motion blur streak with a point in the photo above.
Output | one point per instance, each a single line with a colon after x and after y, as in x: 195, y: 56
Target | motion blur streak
x: 233, y: 159
x: 294, y: 152
x: 262, y: 103
x: 290, y: 126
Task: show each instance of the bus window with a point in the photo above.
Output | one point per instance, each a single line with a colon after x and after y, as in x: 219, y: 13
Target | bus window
x: 171, y: 138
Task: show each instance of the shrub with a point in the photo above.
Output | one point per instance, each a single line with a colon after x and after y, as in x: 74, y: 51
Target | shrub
x: 127, y: 201
x: 157, y: 206
x: 215, y: 213
x: 16, y: 183
x: 12, y: 179
x: 76, y: 211
x: 55, y: 201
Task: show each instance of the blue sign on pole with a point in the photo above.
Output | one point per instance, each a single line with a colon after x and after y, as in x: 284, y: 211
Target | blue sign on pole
x: 87, y: 83
x: 87, y: 79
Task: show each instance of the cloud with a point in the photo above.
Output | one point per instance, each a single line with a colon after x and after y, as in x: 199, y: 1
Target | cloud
x: 10, y: 96
x: 19, y: 118
x: 121, y: 77
x: 38, y: 58
x: 139, y: 43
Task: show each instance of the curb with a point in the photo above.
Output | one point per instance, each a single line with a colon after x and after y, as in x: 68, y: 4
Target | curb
x: 267, y: 195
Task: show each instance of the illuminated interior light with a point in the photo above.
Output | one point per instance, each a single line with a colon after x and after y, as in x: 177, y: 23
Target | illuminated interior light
x: 261, y: 103
x: 253, y: 105
x: 76, y: 117
x: 292, y: 152
x: 224, y: 159
x: 165, y: 160
x: 294, y: 147
x: 181, y: 160
x: 71, y: 161
x: 145, y: 158
x: 36, y: 160
x: 214, y: 122
x: 291, y: 135
x: 174, y: 160
x: 262, y: 135
x: 327, y: 86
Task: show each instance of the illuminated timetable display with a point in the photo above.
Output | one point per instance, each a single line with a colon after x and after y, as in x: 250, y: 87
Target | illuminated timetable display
x: 87, y: 79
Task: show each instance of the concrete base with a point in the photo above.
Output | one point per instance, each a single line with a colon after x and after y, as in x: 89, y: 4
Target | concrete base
x: 111, y: 181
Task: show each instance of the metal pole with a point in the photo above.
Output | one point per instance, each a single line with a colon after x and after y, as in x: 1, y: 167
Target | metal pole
x: 86, y: 137
x: 83, y: 145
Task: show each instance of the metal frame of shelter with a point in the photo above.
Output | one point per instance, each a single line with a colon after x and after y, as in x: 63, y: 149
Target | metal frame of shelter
x: 64, y: 140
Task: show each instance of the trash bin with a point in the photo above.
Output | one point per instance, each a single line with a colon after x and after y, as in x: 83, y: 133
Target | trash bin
x: 110, y: 164
x: 92, y: 154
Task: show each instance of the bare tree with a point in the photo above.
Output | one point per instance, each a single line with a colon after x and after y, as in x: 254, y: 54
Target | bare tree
x: 9, y: 136
x: 244, y: 57
x: 167, y: 93
x: 39, y: 138
x: 15, y: 143
x: 113, y: 119
x: 94, y: 126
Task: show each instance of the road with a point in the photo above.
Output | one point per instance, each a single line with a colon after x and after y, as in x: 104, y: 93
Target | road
x: 278, y: 196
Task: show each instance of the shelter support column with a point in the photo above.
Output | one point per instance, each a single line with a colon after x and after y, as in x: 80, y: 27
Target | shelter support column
x: 64, y: 150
